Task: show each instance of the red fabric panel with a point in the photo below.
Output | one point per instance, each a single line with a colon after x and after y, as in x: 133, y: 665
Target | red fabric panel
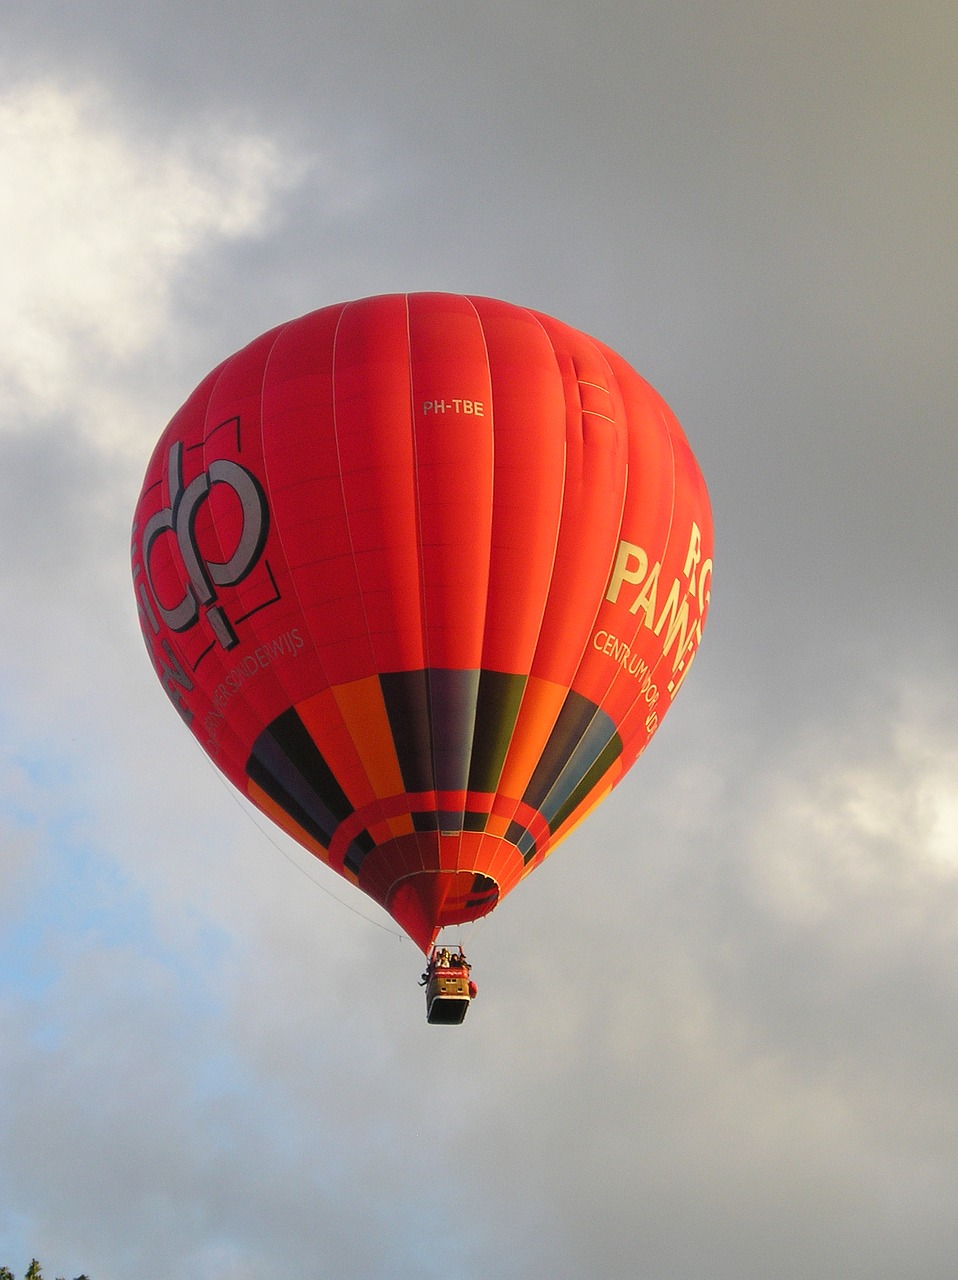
x: 453, y: 424
x: 527, y: 493
x: 376, y: 453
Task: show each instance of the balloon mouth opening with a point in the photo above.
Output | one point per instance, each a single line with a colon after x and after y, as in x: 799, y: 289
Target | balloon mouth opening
x: 424, y: 902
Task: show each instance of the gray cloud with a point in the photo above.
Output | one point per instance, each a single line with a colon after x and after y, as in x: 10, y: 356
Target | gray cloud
x: 715, y: 1032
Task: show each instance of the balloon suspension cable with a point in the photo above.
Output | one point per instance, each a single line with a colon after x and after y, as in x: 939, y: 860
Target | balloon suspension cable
x: 466, y: 933
x: 264, y: 831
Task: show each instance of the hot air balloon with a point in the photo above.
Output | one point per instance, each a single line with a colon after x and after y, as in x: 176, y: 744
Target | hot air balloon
x: 422, y: 574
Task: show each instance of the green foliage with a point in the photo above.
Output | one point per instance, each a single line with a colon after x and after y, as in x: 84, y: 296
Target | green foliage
x: 32, y: 1272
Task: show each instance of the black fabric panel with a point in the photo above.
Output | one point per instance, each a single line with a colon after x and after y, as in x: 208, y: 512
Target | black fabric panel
x: 294, y: 740
x: 452, y: 714
x: 259, y: 772
x: 406, y: 696
x: 497, y: 709
x: 484, y: 889
x: 574, y: 719
x: 289, y: 767
x: 521, y: 837
x: 358, y: 848
x: 565, y: 803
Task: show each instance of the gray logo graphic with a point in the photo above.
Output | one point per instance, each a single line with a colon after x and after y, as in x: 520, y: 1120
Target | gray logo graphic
x: 205, y: 576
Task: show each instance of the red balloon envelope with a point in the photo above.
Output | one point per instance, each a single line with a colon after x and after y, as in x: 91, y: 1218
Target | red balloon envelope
x: 423, y: 573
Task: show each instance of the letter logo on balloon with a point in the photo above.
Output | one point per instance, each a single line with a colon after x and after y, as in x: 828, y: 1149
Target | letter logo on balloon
x: 171, y: 534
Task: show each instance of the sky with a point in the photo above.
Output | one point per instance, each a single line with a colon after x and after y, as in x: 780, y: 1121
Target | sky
x: 717, y: 1032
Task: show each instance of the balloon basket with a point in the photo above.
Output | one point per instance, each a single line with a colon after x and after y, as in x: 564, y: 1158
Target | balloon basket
x: 449, y: 989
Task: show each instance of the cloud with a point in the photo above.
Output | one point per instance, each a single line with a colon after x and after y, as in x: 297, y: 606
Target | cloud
x: 732, y: 1044
x: 863, y: 822
x: 209, y: 1067
x: 97, y: 223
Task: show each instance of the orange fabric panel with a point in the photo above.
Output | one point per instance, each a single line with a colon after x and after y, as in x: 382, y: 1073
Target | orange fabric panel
x: 541, y: 704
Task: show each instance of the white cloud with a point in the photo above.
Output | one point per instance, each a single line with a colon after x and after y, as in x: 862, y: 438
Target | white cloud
x: 860, y: 827
x: 95, y: 223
